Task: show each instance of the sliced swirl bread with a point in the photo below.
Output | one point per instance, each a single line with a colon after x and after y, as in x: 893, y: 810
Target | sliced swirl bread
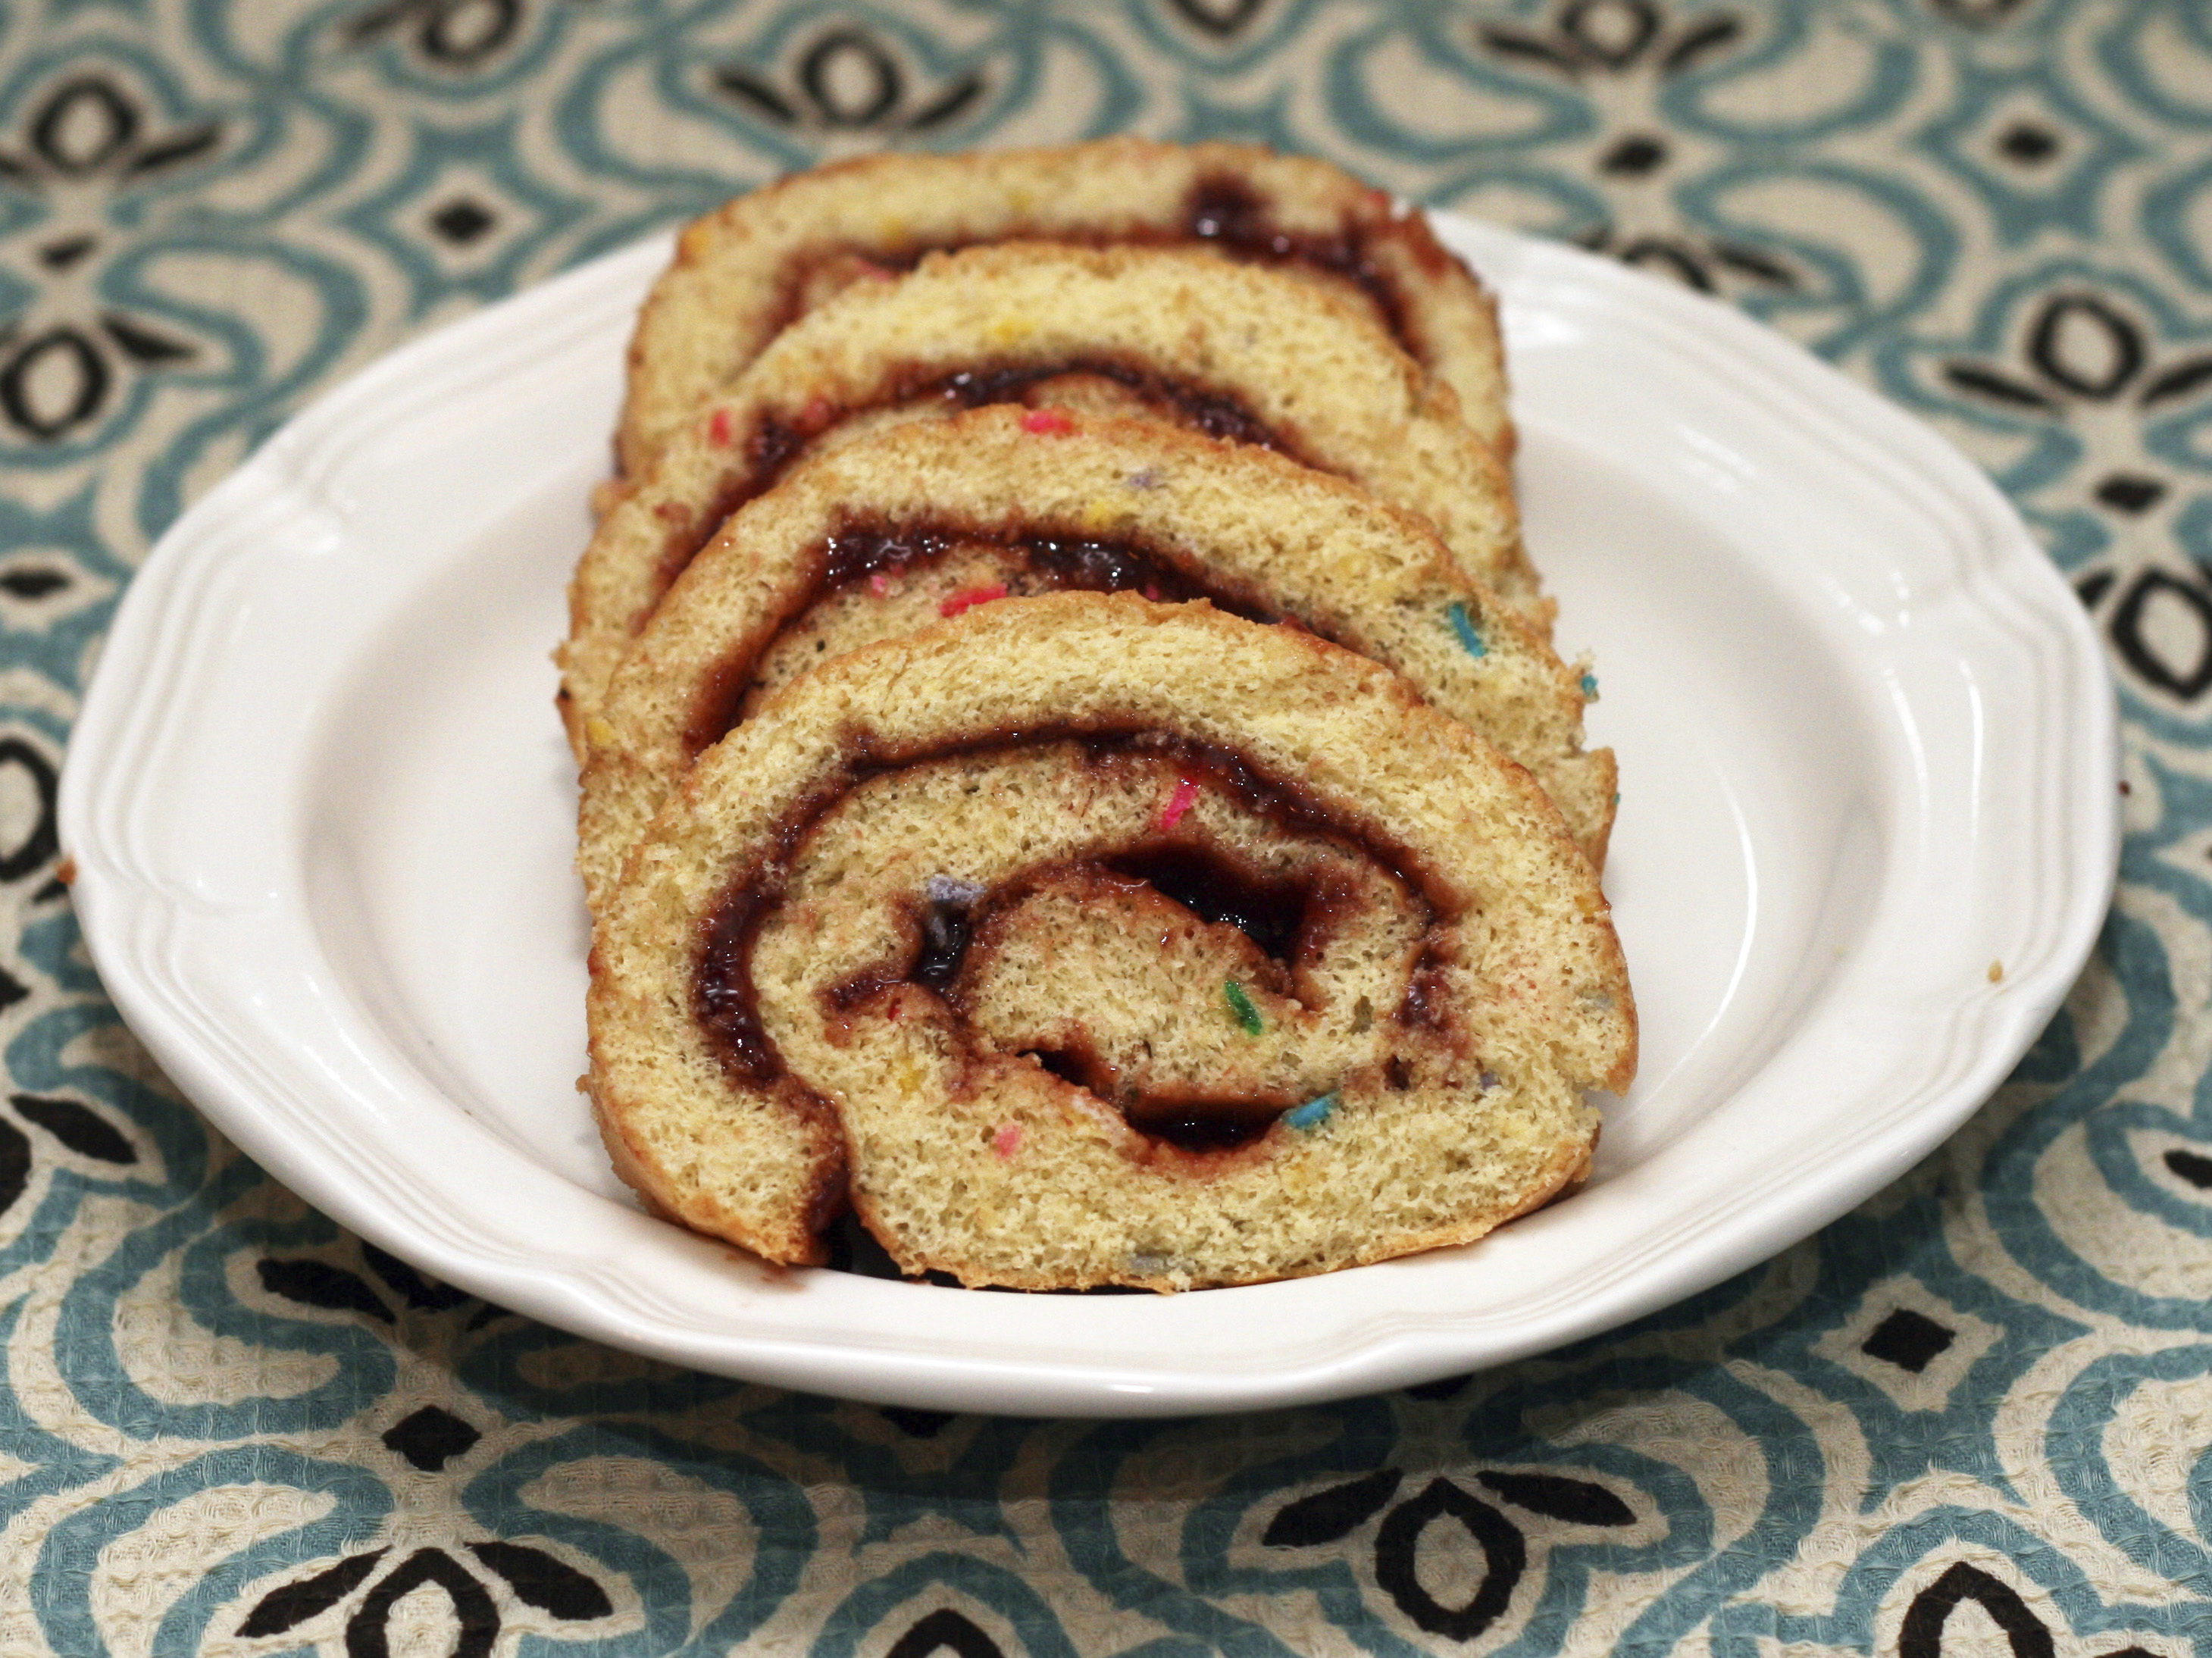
x: 1236, y: 351
x: 888, y: 534
x: 747, y: 270
x: 1082, y: 940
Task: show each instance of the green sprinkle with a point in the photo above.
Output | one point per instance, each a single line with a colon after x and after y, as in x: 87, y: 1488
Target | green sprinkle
x: 1463, y: 625
x: 1590, y: 686
x: 1241, y: 1005
x: 1313, y: 1113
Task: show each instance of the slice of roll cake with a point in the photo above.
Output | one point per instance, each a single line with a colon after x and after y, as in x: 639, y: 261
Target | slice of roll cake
x: 1238, y: 352
x: 1081, y: 940
x: 748, y: 269
x: 887, y: 535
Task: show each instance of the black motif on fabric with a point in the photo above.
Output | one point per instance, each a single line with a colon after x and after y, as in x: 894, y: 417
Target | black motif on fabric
x: 290, y: 1605
x: 417, y: 1291
x: 12, y: 989
x: 1397, y: 1552
x: 1922, y: 1634
x: 850, y: 81
x: 1714, y: 34
x: 431, y: 1438
x: 2196, y: 1170
x: 52, y: 382
x: 2094, y: 587
x: 1632, y: 157
x: 2185, y: 680
x: 83, y: 124
x: 66, y: 252
x: 539, y: 1580
x: 88, y: 124
x: 920, y: 1424
x: 185, y: 144
x: 1442, y: 1387
x: 1611, y: 37
x: 84, y: 1131
x: 367, y: 1637
x: 61, y: 375
x: 1328, y: 1515
x: 2026, y: 143
x: 15, y: 1164
x: 143, y: 344
x: 318, y: 1283
x: 2083, y: 344
x: 462, y: 221
x: 2130, y: 493
x: 453, y: 34
x: 2172, y: 384
x: 1997, y: 386
x: 1578, y: 1501
x: 946, y: 1630
x: 1908, y: 1339
x: 1219, y: 18
x: 39, y: 845
x: 1695, y: 266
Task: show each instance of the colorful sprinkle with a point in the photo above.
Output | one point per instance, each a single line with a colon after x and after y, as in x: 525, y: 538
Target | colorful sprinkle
x: 1152, y: 592
x: 1186, y: 793
x: 1463, y: 625
x: 718, y: 428
x: 1147, y: 479
x: 1048, y: 422
x: 1008, y: 1139
x: 1590, y: 686
x: 1313, y: 1113
x: 880, y: 583
x: 1240, y: 1005
x: 968, y: 598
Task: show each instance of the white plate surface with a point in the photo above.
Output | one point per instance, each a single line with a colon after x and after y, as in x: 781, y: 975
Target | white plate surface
x: 321, y: 813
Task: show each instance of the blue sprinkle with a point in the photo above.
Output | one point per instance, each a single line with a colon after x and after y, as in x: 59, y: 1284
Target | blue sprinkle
x: 1463, y: 625
x: 1590, y: 686
x: 1314, y: 1112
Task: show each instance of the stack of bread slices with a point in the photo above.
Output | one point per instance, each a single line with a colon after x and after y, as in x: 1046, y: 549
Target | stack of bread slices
x: 1075, y: 773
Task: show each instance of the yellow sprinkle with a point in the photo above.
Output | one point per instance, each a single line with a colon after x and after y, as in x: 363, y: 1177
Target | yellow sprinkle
x: 1011, y: 330
x: 1099, y: 514
x: 598, y: 732
x: 1996, y: 972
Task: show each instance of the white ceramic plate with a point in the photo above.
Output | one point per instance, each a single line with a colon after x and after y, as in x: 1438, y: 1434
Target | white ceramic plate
x: 321, y: 815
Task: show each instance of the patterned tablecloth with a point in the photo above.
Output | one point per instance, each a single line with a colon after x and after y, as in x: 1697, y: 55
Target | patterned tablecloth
x: 1971, y: 1417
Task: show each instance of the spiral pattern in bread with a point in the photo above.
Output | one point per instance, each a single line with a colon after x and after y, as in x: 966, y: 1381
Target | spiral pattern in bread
x: 1237, y: 351
x: 884, y: 535
x: 747, y: 270
x: 1081, y: 940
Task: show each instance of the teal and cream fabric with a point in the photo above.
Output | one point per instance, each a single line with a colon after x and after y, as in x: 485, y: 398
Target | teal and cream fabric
x: 1971, y: 1419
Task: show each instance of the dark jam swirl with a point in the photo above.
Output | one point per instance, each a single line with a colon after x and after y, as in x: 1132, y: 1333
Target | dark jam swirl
x: 1050, y: 563
x: 1287, y: 918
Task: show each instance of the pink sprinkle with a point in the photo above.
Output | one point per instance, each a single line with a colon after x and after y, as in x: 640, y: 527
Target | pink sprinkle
x: 879, y: 584
x: 967, y: 599
x: 1151, y: 592
x: 1186, y: 792
x: 817, y: 414
x: 877, y: 273
x: 718, y: 429
x: 1048, y: 422
x: 1008, y: 1139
